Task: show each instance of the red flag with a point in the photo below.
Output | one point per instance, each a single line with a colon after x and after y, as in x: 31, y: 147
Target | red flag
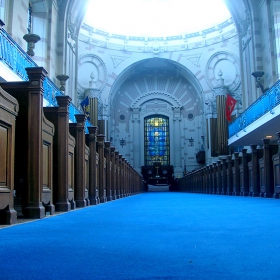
x: 230, y: 104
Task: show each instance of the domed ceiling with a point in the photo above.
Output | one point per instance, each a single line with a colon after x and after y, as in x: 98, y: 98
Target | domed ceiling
x: 155, y: 18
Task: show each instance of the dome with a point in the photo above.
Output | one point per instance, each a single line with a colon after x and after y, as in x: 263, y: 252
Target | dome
x: 155, y: 18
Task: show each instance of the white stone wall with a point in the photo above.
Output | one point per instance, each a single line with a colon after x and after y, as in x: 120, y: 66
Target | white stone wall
x: 190, y: 81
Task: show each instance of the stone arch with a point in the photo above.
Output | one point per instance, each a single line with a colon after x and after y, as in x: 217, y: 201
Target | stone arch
x: 156, y: 95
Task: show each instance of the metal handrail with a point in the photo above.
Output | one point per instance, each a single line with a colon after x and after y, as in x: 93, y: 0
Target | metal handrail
x: 15, y: 58
x: 264, y: 104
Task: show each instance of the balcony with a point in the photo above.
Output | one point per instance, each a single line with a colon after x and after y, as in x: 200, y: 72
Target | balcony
x: 260, y: 120
x: 14, y: 60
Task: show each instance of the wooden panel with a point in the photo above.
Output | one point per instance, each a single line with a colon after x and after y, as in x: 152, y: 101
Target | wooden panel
x: 277, y: 178
x: 3, y: 155
x: 87, y: 173
x: 71, y: 171
x: 46, y: 166
x: 250, y: 178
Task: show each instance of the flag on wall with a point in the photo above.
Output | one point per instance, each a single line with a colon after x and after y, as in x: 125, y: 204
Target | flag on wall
x: 230, y: 104
x: 86, y: 107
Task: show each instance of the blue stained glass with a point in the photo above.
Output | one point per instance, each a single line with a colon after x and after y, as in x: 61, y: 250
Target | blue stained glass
x: 157, y: 139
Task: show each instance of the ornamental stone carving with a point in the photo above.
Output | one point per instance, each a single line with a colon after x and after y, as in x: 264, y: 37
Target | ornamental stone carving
x: 226, y: 62
x: 92, y: 72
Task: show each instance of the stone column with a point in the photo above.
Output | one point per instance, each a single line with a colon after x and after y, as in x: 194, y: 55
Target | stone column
x: 101, y: 147
x: 222, y: 123
x: 108, y: 171
x: 78, y: 131
x: 93, y: 185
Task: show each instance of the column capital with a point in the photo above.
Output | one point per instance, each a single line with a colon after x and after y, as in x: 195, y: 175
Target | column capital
x: 100, y: 137
x: 107, y: 146
x: 63, y: 101
x: 93, y: 130
x: 80, y: 118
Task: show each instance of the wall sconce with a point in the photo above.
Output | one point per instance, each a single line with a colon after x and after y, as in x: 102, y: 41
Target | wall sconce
x: 257, y: 75
x: 122, y: 142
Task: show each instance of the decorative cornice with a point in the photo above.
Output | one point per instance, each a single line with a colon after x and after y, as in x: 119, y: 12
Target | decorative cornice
x: 156, y: 45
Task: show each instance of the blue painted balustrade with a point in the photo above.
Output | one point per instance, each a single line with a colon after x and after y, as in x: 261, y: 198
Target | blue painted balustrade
x: 15, y: 58
x: 264, y: 104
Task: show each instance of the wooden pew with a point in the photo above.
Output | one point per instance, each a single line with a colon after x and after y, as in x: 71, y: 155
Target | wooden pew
x: 117, y: 174
x: 93, y: 166
x: 77, y: 130
x: 33, y: 145
x: 224, y: 175
x: 276, y: 170
x: 47, y: 193
x: 254, y: 172
x: 113, y: 173
x: 244, y: 174
x: 218, y: 178
x: 214, y: 178
x: 209, y: 175
x: 63, y: 159
x: 108, y: 184
x: 120, y: 176
x: 230, y: 163
x: 236, y: 174
x: 8, y: 111
x: 101, y: 168
x: 87, y: 152
x: 266, y: 169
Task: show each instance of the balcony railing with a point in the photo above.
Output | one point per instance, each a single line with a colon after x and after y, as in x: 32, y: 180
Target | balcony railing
x: 264, y: 104
x: 16, y: 59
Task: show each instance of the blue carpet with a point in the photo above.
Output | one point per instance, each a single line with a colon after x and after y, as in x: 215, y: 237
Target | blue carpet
x: 149, y: 236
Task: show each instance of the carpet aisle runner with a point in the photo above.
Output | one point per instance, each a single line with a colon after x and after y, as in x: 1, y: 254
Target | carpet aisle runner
x: 149, y: 236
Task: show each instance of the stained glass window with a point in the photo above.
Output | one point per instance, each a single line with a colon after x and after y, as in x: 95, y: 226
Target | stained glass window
x: 157, y: 148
